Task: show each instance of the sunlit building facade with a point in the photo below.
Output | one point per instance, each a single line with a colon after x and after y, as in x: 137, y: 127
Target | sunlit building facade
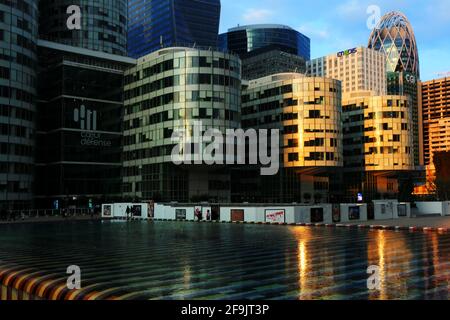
x: 307, y: 111
x: 378, y: 143
x: 435, y: 105
x: 171, y: 89
x: 394, y: 37
x: 359, y: 69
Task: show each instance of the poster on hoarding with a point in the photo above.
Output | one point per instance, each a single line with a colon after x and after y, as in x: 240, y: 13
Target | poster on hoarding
x: 136, y: 210
x: 107, y: 210
x: 316, y: 215
x: 354, y: 213
x: 180, y: 214
x: 276, y: 215
x: 336, y: 213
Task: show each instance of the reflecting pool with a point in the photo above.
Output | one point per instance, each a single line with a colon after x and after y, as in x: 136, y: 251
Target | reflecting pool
x: 182, y: 260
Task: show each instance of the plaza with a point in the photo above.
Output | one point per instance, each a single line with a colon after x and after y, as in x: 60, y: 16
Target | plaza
x: 142, y: 260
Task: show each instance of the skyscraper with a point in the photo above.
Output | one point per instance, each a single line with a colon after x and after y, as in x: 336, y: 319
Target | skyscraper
x: 153, y: 24
x: 103, y: 24
x: 18, y: 35
x: 359, y: 69
x: 246, y: 39
x: 394, y: 36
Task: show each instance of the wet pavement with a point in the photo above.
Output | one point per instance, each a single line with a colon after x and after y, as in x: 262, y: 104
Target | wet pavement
x: 183, y: 260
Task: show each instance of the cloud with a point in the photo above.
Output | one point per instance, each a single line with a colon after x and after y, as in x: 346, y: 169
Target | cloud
x: 314, y: 32
x: 257, y: 15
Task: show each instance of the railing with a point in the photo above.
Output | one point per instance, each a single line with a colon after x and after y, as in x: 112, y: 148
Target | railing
x: 13, y: 215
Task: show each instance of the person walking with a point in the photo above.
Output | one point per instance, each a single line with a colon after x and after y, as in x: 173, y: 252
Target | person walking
x: 128, y: 211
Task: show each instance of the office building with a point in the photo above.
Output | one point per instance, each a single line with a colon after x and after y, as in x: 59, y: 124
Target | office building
x: 18, y: 37
x: 79, y: 126
x: 307, y: 111
x: 246, y: 39
x: 378, y: 144
x: 103, y: 24
x: 394, y: 37
x: 156, y: 24
x: 170, y: 90
x: 268, y: 61
x: 359, y: 69
x: 435, y: 106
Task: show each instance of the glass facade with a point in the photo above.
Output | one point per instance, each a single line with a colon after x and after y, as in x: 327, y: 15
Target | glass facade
x: 18, y: 36
x: 244, y: 40
x: 378, y: 145
x: 267, y: 62
x: 394, y: 36
x: 103, y: 24
x: 175, y: 89
x: 154, y: 24
x: 307, y: 111
x: 79, y: 136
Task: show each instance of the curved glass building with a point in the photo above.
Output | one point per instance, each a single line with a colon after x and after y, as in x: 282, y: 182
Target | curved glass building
x: 394, y: 36
x: 156, y: 24
x: 307, y: 111
x: 18, y: 59
x: 103, y: 24
x: 170, y: 89
x: 246, y: 39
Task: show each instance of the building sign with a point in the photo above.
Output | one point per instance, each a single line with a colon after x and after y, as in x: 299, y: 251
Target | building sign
x: 87, y: 119
x: 92, y: 139
x: 410, y: 78
x: 275, y: 216
x: 347, y: 52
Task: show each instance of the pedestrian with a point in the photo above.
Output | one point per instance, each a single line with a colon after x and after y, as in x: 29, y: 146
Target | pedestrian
x: 128, y: 211
x: 208, y: 215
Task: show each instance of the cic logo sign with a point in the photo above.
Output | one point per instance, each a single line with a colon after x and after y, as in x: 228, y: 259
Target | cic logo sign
x: 86, y: 118
x: 410, y: 78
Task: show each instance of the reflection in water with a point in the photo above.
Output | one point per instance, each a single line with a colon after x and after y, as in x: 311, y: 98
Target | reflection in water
x: 165, y: 260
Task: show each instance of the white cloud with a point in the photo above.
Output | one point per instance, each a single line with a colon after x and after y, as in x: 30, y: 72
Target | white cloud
x: 257, y: 15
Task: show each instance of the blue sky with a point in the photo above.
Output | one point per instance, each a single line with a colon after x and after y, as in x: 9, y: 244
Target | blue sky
x: 336, y: 25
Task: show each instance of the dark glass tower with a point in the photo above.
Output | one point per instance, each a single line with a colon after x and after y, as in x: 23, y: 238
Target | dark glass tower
x: 18, y: 36
x: 103, y: 24
x: 246, y: 39
x: 154, y: 24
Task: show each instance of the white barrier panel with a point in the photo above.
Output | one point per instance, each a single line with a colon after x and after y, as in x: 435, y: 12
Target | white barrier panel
x: 353, y: 213
x: 431, y: 208
x: 446, y: 208
x: 120, y: 209
x: 385, y: 209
